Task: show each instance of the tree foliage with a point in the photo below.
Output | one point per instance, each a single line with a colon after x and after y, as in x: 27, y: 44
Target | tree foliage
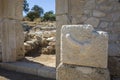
x: 37, y: 9
x: 49, y: 16
x: 36, y: 12
x: 32, y: 15
x: 25, y: 6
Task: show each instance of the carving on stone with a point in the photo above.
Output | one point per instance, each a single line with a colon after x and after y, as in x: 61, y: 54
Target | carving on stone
x: 82, y: 45
x: 77, y: 43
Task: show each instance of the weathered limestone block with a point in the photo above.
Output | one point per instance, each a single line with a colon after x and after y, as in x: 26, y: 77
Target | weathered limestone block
x: 68, y: 72
x: 12, y: 40
x: 11, y: 9
x: 97, y: 13
x: 76, y: 7
x: 61, y: 9
x: 93, y: 21
x: 82, y: 45
x: 61, y: 20
x: 90, y: 4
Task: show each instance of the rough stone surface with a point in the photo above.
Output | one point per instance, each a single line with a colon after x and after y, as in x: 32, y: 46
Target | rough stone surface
x: 82, y: 45
x: 92, y: 21
x: 11, y: 9
x: 40, y: 40
x: 98, y: 13
x: 106, y: 17
x: 12, y: 40
x: 114, y: 66
x: 67, y: 72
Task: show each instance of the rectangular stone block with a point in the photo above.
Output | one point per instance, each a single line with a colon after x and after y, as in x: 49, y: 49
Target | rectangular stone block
x: 82, y: 45
x: 61, y: 7
x: 61, y: 20
x: 12, y: 40
x: 11, y: 9
x: 67, y: 72
x: 76, y: 7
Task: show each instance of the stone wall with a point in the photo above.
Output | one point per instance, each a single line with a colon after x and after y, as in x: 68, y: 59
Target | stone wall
x: 102, y: 14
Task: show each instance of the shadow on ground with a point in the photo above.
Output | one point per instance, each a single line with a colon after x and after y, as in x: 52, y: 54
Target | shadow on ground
x: 12, y: 75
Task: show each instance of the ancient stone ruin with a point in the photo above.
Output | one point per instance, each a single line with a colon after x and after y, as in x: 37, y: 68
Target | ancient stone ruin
x: 84, y: 53
x: 80, y: 50
x: 103, y: 15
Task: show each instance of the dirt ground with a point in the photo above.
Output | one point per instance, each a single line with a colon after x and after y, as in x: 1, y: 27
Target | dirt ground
x: 12, y: 75
x: 47, y: 60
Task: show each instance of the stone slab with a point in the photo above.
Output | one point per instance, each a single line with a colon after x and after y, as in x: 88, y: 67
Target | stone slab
x: 68, y: 72
x: 82, y: 45
x: 31, y: 68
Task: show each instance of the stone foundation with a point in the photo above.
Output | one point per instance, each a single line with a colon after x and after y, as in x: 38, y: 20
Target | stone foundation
x: 70, y: 72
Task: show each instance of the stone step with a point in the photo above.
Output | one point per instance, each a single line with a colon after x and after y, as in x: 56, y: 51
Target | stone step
x: 31, y: 68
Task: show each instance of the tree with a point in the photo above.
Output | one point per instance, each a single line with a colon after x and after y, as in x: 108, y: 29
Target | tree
x: 25, y: 6
x: 32, y: 15
x: 49, y: 16
x: 38, y: 10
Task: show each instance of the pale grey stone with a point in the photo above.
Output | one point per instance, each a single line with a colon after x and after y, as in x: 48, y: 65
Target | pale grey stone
x: 79, y: 19
x: 115, y: 16
x: 90, y: 4
x: 114, y: 50
x: 66, y: 72
x: 76, y: 7
x: 62, y: 7
x: 12, y: 40
x: 82, y: 45
x: 106, y: 7
x: 97, y: 13
x: 92, y: 21
x: 103, y: 24
x: 100, y: 1
x: 11, y: 9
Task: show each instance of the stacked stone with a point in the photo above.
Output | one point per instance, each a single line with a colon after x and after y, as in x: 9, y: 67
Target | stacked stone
x: 84, y: 54
x: 11, y: 30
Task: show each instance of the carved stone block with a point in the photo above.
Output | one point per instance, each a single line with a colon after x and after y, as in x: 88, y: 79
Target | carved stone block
x: 82, y: 45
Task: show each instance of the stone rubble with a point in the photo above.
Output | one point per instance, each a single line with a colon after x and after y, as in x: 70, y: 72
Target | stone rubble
x: 40, y: 38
